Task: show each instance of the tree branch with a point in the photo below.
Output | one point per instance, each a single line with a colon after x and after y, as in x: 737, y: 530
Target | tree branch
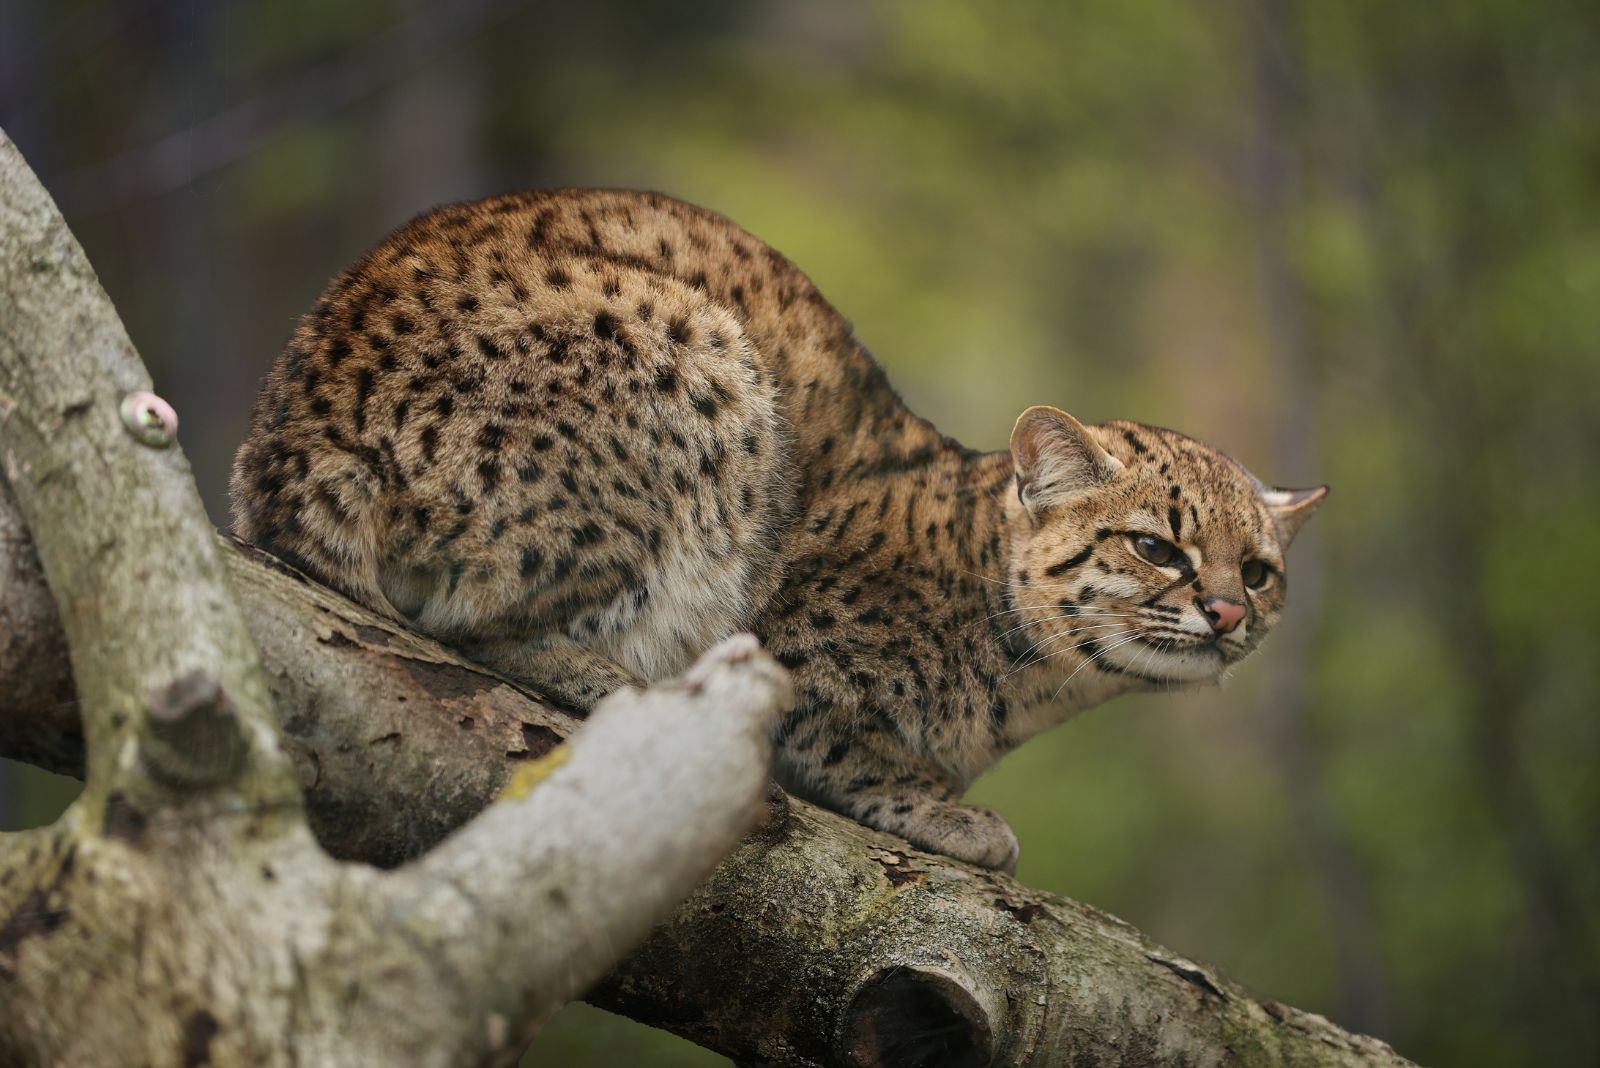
x: 817, y: 942
x: 180, y: 911
x: 79, y: 429
x: 628, y: 809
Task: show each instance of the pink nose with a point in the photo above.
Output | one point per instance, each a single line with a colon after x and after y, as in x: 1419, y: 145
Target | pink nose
x: 1223, y: 615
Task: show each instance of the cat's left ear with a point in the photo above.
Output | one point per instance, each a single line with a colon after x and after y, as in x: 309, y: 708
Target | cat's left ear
x: 1056, y: 458
x: 1291, y: 508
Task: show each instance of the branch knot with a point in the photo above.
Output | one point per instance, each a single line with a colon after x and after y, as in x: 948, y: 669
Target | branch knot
x: 195, y: 738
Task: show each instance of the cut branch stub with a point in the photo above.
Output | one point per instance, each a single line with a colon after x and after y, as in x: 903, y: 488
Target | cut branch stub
x: 195, y: 738
x: 149, y: 419
x: 911, y: 1017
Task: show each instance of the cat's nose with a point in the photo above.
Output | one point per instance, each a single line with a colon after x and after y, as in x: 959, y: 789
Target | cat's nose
x: 1222, y: 615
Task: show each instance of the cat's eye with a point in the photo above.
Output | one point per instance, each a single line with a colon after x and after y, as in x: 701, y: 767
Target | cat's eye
x: 1158, y: 552
x: 1255, y: 573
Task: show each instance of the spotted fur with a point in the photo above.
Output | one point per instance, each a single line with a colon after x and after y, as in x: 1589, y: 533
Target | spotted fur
x: 584, y: 434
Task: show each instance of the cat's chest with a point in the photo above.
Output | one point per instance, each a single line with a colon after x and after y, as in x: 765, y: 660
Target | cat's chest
x: 890, y: 639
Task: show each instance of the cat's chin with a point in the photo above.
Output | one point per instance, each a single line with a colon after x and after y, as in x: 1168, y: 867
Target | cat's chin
x: 1166, y: 665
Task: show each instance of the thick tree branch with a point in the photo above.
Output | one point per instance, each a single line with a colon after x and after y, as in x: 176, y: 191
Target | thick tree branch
x: 818, y: 942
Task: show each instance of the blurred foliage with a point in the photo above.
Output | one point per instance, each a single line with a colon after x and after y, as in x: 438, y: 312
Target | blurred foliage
x: 1349, y: 241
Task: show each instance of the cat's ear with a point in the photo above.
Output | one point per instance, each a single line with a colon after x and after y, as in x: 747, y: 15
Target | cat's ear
x: 1056, y: 458
x: 1291, y: 508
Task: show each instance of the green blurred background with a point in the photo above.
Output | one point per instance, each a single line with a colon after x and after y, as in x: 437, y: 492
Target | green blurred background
x: 1347, y: 241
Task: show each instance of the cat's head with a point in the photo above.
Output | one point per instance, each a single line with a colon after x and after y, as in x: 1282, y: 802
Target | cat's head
x: 1150, y: 553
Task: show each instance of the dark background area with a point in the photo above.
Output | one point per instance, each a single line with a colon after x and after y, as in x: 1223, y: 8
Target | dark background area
x: 1353, y: 242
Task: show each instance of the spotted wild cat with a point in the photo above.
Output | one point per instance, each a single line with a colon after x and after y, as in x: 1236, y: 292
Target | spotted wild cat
x: 582, y: 435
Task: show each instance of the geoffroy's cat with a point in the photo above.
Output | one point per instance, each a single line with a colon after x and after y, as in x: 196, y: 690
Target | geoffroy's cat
x: 582, y: 435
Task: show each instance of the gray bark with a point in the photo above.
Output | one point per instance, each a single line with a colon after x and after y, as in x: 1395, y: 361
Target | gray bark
x: 211, y: 920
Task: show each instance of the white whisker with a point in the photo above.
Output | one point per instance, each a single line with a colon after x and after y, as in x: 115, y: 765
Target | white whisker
x: 1050, y: 619
x: 1058, y: 652
x: 1149, y: 654
x: 1082, y: 630
x: 1091, y: 659
x: 1079, y: 610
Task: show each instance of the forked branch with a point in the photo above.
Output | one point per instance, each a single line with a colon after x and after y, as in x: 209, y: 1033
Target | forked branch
x: 180, y: 912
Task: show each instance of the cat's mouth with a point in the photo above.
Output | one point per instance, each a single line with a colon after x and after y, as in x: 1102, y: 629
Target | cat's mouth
x: 1160, y: 659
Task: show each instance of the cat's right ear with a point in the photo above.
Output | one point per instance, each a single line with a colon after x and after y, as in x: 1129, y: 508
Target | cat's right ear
x: 1291, y: 508
x: 1056, y: 458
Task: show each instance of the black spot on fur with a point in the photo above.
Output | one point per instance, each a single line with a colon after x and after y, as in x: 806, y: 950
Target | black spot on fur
x: 491, y: 437
x: 199, y: 1028
x: 364, y: 389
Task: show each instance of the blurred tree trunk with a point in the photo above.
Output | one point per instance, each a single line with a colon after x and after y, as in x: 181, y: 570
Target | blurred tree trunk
x: 1419, y: 140
x: 427, y: 139
x: 1278, y: 196
x: 1552, y: 970
x: 185, y: 298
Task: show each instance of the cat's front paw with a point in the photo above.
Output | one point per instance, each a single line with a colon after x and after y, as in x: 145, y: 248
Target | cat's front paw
x: 973, y: 833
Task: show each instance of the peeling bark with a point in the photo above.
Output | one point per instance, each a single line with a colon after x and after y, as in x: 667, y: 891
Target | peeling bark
x: 216, y: 930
